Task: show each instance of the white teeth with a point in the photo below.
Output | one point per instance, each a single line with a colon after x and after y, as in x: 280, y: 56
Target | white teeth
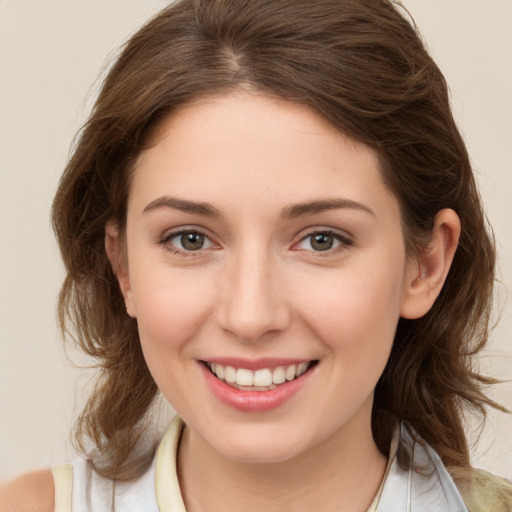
x: 302, y: 368
x: 278, y: 376
x: 244, y: 377
x: 230, y: 374
x: 290, y: 372
x: 265, y: 378
x: 262, y: 378
x: 219, y: 371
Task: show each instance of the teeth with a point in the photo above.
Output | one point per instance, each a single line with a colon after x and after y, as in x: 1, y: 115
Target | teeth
x: 265, y: 378
x: 230, y: 374
x: 302, y: 368
x: 219, y: 371
x: 278, y: 376
x: 244, y: 377
x: 290, y: 372
x: 262, y: 378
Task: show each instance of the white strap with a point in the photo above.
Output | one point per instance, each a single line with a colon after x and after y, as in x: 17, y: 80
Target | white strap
x: 167, y: 487
x: 392, y: 454
x: 63, y: 481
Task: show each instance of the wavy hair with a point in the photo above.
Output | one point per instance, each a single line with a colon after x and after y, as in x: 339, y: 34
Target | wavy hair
x: 363, y: 67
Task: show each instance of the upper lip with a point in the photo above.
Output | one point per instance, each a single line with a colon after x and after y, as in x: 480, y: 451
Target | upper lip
x: 256, y: 364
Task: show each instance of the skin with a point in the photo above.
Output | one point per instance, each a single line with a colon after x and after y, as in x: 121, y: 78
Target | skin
x: 258, y: 288
x: 32, y: 492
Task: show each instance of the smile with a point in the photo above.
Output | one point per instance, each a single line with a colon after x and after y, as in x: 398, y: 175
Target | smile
x: 268, y: 385
x: 263, y: 379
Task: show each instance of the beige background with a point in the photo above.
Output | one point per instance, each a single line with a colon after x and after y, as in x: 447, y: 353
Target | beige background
x: 51, y: 52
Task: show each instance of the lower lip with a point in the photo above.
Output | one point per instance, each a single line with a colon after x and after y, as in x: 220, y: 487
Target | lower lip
x: 254, y: 401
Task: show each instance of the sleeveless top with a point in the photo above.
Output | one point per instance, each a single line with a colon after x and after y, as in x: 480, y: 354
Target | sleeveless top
x: 78, y: 488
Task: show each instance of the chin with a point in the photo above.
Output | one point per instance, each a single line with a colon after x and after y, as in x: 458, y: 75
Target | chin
x: 260, y: 454
x: 259, y: 447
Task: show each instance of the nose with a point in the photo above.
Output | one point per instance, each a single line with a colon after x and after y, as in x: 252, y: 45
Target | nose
x: 254, y: 304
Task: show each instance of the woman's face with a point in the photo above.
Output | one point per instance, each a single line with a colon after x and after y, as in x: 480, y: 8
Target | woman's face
x: 261, y: 243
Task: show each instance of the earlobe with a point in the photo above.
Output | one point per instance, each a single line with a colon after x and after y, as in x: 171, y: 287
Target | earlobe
x: 115, y: 253
x: 427, y: 273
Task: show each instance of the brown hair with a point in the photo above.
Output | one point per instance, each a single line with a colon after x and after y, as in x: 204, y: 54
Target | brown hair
x: 362, y: 66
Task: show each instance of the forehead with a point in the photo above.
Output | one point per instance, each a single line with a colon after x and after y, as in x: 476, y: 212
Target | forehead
x: 255, y: 150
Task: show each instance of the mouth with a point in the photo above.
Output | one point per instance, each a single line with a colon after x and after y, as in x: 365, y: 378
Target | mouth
x: 262, y: 379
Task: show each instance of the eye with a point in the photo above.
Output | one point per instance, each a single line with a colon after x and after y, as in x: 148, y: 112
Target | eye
x: 188, y: 241
x: 322, y: 241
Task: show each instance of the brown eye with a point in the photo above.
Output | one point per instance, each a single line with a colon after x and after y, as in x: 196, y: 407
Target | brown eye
x: 192, y: 241
x: 322, y: 241
x: 189, y: 241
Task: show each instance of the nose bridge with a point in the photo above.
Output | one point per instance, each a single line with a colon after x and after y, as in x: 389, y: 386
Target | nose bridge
x: 253, y: 304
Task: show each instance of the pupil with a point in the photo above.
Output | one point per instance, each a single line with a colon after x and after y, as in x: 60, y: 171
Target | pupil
x: 192, y: 241
x: 322, y: 242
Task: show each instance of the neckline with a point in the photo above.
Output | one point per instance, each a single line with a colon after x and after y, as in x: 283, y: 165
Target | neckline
x: 393, y: 448
x: 168, y: 492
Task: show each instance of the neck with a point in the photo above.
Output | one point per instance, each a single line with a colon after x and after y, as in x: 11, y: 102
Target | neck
x: 343, y: 472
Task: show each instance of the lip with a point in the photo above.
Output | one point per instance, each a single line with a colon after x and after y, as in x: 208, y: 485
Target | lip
x: 254, y: 401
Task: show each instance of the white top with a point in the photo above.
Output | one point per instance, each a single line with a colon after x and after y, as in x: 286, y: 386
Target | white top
x: 78, y: 488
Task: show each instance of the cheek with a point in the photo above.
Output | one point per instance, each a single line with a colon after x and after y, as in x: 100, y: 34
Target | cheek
x: 171, y: 310
x: 171, y: 306
x: 353, y: 310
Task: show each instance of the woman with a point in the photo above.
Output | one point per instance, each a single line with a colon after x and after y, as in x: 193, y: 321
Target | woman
x: 271, y: 218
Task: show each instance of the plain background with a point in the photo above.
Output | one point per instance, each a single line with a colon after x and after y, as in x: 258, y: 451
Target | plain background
x: 51, y: 53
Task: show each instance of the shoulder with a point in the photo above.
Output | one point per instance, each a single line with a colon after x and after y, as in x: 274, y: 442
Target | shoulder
x: 32, y: 492
x: 485, y: 491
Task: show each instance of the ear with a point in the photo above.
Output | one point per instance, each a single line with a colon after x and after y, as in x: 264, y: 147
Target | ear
x: 117, y: 257
x: 427, y: 273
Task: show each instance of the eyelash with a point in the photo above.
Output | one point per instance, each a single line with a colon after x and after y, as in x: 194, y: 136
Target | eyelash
x: 343, y: 240
x: 183, y: 252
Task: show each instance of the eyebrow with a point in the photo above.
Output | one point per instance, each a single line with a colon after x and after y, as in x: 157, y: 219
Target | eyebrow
x: 291, y: 211
x: 183, y: 205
